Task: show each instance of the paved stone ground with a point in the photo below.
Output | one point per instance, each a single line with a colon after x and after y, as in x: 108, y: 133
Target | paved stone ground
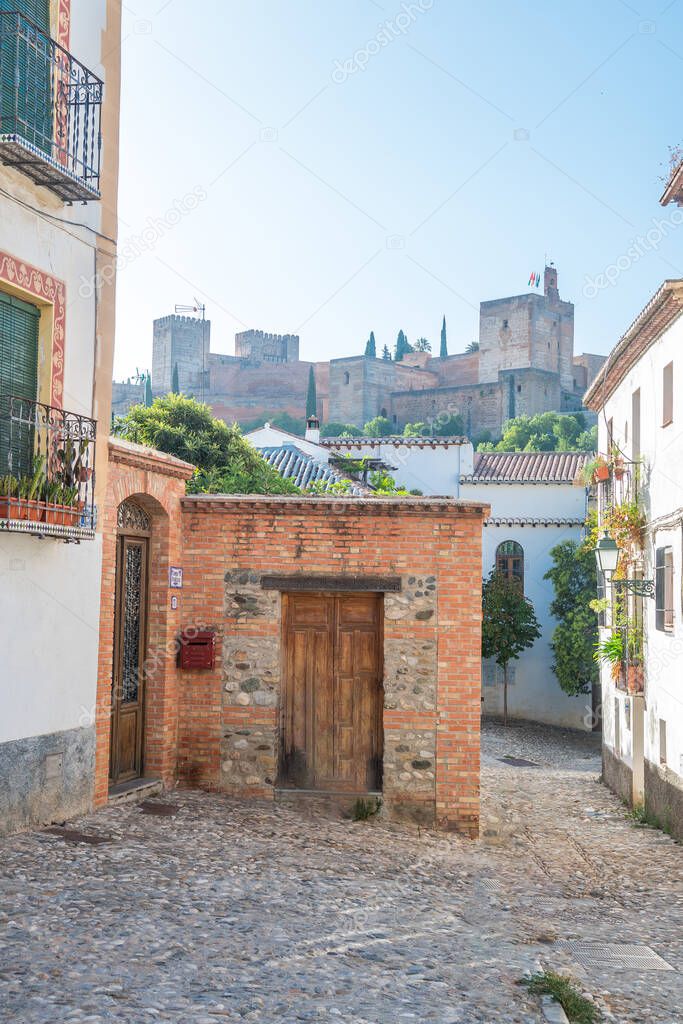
x: 233, y: 911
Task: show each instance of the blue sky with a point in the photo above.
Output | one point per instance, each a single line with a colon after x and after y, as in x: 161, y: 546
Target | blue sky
x: 331, y: 167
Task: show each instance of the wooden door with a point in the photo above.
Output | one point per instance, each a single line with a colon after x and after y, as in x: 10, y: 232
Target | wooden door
x: 128, y: 689
x: 333, y: 694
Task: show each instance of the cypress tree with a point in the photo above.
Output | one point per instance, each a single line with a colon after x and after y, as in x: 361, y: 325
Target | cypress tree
x: 370, y: 347
x: 386, y: 354
x: 175, y: 385
x: 311, y: 396
x: 402, y: 346
x: 148, y: 390
x: 443, y: 351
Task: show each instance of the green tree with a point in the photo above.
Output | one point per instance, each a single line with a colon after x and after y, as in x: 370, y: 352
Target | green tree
x: 574, y: 578
x: 416, y: 430
x: 175, y: 384
x: 403, y: 346
x: 545, y: 432
x: 226, y: 463
x: 423, y: 345
x: 148, y: 390
x: 472, y: 347
x: 370, y: 346
x: 340, y: 430
x: 311, y: 396
x: 379, y: 427
x: 386, y: 354
x: 448, y: 425
x: 443, y: 349
x: 509, y: 625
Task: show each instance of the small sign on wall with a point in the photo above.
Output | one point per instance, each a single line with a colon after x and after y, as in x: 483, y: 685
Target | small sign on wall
x: 175, y: 577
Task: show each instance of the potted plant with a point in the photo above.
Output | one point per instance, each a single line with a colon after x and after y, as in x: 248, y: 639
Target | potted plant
x: 62, y: 504
x: 611, y: 651
x: 9, y: 497
x: 618, y: 466
x: 595, y: 470
x: 30, y: 489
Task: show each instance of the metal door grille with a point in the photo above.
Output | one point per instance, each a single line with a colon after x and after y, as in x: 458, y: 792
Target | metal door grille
x: 132, y: 596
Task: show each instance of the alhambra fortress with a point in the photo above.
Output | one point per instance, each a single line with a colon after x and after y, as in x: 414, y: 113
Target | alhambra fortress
x: 525, y: 364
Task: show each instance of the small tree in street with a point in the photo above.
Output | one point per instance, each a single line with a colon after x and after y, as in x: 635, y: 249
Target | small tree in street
x: 574, y: 577
x: 509, y: 625
x: 311, y: 396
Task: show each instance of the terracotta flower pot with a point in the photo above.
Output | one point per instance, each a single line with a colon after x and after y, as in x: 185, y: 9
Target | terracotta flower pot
x: 11, y: 508
x: 635, y: 679
x: 602, y: 472
x: 63, y: 515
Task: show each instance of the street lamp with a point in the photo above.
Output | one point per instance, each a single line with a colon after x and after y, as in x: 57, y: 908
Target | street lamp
x: 607, y: 553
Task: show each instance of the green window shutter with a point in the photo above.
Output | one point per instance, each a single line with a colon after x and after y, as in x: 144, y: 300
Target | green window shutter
x: 37, y: 11
x: 19, y: 324
x: 26, y: 73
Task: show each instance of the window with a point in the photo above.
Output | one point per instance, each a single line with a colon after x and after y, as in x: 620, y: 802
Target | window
x: 617, y: 728
x: 635, y: 420
x: 505, y: 324
x: 510, y: 560
x: 18, y: 374
x: 610, y: 434
x: 25, y: 62
x: 668, y: 394
x: 347, y: 378
x: 519, y: 389
x: 662, y: 741
x: 664, y: 589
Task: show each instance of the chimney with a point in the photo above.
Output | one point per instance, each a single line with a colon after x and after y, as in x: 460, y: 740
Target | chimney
x: 313, y: 430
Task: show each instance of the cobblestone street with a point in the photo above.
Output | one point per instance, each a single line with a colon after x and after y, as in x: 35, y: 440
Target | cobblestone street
x: 236, y: 911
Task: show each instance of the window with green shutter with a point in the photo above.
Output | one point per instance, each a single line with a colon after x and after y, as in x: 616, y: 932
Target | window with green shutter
x: 26, y: 71
x: 19, y: 324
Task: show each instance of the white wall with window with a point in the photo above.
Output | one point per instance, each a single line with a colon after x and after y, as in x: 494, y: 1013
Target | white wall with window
x: 639, y: 398
x: 57, y: 292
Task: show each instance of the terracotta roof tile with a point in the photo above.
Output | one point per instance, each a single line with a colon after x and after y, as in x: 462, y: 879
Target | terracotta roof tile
x: 526, y: 467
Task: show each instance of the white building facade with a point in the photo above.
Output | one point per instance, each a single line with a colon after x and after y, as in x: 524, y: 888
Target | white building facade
x: 638, y: 398
x: 59, y: 122
x: 538, y: 500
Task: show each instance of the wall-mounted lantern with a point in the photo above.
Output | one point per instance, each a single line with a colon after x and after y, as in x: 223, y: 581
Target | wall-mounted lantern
x: 607, y: 554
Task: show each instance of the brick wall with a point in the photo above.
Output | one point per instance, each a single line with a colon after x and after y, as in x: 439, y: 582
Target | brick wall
x: 156, y: 482
x: 229, y: 718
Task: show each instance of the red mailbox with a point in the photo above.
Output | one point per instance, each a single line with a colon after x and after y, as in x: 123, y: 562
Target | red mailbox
x: 197, y: 649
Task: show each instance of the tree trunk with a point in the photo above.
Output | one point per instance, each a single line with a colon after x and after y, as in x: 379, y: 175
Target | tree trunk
x: 505, y: 693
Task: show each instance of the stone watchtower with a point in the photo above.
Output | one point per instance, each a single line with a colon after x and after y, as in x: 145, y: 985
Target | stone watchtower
x: 526, y: 343
x: 181, y: 341
x: 258, y: 347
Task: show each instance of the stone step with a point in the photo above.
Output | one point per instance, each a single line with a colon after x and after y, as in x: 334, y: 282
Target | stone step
x: 135, y: 791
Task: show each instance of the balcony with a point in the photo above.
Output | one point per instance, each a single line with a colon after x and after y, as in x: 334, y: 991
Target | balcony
x: 50, y: 112
x: 47, y: 477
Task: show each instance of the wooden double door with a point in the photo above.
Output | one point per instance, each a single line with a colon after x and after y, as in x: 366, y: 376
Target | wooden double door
x: 333, y: 696
x: 128, y: 677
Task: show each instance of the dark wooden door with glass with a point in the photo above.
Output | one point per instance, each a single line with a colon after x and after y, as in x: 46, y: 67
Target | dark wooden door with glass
x: 333, y: 697
x: 128, y: 683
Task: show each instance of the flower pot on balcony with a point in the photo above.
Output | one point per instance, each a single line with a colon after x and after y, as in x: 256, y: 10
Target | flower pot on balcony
x: 63, y: 515
x: 601, y: 473
x: 11, y: 508
x: 32, y: 510
x: 635, y: 679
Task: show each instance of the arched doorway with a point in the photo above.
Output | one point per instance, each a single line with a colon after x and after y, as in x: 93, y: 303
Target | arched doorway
x: 130, y: 643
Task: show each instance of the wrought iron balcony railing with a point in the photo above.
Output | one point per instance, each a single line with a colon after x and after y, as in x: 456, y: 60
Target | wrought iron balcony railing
x: 50, y: 111
x: 47, y: 470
